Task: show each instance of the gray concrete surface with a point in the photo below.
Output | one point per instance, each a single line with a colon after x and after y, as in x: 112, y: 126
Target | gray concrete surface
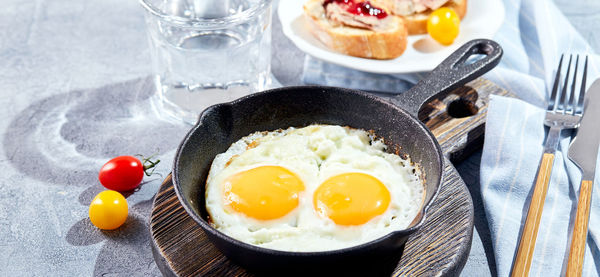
x: 75, y: 92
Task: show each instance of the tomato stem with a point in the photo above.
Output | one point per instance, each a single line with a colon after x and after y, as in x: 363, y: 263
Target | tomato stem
x: 149, y: 164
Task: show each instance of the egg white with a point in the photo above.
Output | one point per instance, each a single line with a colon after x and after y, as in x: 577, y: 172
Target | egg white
x: 314, y: 153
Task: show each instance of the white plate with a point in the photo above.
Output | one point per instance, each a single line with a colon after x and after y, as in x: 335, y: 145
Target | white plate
x: 483, y: 19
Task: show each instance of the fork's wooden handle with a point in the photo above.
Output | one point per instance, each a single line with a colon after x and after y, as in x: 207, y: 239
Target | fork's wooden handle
x: 580, y: 230
x: 532, y: 222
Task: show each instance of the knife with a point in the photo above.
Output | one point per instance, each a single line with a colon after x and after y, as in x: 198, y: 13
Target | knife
x: 583, y: 152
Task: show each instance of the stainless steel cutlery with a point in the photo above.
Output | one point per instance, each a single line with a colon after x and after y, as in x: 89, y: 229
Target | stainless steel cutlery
x: 564, y: 111
x: 583, y: 151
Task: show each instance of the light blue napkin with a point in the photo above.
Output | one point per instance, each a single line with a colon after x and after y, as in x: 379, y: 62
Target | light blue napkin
x: 533, y: 36
x: 515, y: 137
x: 511, y: 155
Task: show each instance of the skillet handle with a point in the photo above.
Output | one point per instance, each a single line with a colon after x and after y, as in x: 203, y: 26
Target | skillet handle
x: 452, y: 73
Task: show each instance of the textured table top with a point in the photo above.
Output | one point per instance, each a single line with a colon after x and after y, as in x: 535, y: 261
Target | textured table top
x: 75, y: 92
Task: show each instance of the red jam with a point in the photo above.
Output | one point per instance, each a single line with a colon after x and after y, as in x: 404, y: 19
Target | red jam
x: 361, y: 8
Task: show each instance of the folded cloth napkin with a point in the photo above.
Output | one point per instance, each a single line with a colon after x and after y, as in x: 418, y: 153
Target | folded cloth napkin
x: 533, y: 36
x: 511, y: 155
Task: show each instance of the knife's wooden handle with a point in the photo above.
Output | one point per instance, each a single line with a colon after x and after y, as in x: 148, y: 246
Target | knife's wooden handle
x: 580, y: 230
x: 534, y: 214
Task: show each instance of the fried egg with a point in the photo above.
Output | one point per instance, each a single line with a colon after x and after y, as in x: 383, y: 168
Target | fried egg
x: 317, y: 188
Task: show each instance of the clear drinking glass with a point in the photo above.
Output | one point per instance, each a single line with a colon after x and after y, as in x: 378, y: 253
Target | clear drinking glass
x: 208, y: 51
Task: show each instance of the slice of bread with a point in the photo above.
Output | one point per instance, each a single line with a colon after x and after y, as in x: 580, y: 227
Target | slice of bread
x: 382, y: 44
x: 416, y: 24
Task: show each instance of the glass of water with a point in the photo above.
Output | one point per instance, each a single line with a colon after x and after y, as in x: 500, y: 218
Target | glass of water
x: 207, y: 51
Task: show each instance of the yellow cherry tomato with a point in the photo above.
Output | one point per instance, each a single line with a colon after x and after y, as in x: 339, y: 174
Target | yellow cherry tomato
x: 443, y: 25
x: 108, y: 210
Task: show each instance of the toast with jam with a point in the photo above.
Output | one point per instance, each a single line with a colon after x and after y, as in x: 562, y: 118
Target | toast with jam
x: 416, y: 12
x: 356, y: 28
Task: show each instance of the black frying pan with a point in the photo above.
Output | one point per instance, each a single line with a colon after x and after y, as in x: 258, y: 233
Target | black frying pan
x: 394, y: 119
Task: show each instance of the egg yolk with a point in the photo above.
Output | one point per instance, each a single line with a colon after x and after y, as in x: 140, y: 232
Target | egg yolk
x: 265, y: 192
x: 351, y: 198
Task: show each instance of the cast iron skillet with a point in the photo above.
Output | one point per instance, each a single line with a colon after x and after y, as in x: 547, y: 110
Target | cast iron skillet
x: 393, y: 119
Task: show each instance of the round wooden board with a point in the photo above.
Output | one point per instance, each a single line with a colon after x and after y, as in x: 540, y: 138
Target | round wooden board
x: 180, y: 247
x: 440, y: 248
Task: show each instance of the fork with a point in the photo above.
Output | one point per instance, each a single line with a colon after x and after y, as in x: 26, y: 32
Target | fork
x: 560, y: 115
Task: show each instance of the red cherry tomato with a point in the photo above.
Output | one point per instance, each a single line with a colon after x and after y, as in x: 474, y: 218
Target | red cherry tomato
x: 122, y: 173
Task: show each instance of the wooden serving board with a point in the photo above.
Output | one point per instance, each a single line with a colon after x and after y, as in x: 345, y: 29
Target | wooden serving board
x: 442, y: 245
